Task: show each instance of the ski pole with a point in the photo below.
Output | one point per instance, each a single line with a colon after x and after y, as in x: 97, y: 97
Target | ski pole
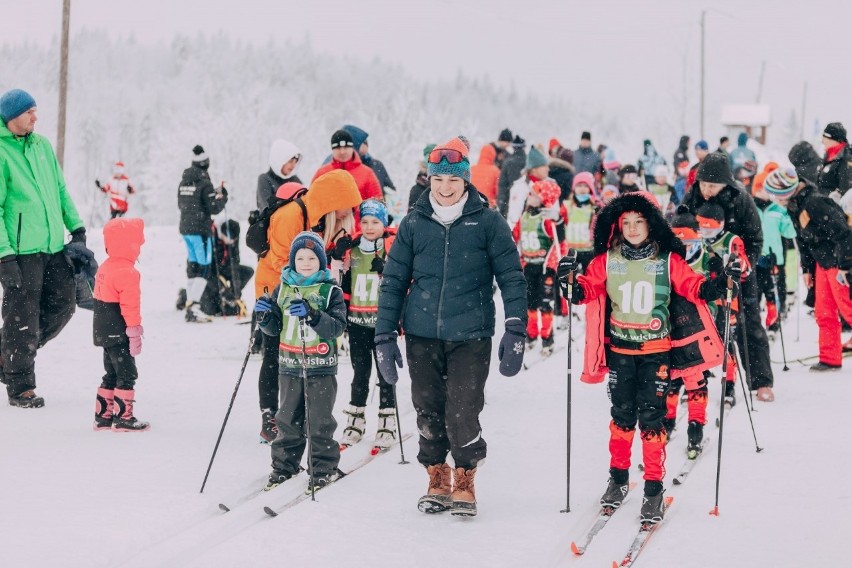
x: 302, y: 334
x: 757, y: 447
x: 228, y: 413
x: 744, y: 351
x: 728, y: 298
x: 398, y: 426
x: 572, y: 254
x: 774, y: 275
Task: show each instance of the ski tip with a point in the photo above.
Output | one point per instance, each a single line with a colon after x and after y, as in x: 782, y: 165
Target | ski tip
x: 374, y: 451
x: 270, y: 512
x: 668, y: 501
x: 615, y: 564
x: 677, y: 480
x: 224, y: 508
x: 576, y: 549
x: 715, y: 511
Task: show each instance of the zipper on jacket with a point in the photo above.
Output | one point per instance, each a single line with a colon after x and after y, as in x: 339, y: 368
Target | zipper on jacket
x: 18, y: 240
x: 443, y: 278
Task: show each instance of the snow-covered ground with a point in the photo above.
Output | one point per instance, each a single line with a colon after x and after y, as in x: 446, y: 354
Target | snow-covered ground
x: 72, y: 497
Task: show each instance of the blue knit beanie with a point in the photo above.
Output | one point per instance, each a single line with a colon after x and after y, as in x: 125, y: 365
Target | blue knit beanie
x: 460, y: 169
x: 15, y: 103
x: 374, y: 208
x: 359, y: 136
x: 312, y: 241
x: 535, y: 158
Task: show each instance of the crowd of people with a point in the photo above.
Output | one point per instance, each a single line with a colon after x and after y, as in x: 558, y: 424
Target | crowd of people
x: 665, y: 257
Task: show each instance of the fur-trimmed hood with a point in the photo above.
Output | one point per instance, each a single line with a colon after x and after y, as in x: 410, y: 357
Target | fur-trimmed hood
x: 641, y: 202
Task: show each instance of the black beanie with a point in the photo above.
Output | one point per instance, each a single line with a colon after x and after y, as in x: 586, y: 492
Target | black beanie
x: 710, y: 210
x: 586, y: 135
x: 835, y: 131
x: 198, y: 154
x: 684, y: 218
x: 342, y: 139
x: 518, y: 141
x: 505, y: 135
x: 715, y: 169
x: 628, y: 169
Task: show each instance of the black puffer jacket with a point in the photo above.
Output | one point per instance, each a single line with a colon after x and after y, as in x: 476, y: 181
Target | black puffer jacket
x: 741, y: 216
x: 197, y: 201
x: 268, y: 183
x: 834, y: 175
x: 437, y: 280
x: 822, y: 233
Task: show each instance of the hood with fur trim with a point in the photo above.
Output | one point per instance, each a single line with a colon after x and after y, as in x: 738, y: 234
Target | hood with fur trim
x: 659, y: 229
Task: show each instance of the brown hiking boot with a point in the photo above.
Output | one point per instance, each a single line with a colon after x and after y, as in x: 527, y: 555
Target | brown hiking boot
x: 464, y: 495
x: 437, y: 498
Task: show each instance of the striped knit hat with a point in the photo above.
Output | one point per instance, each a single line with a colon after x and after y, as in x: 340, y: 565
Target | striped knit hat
x: 781, y: 183
x: 308, y: 240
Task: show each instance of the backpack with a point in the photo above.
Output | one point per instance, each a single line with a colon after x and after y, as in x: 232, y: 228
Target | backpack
x: 256, y: 235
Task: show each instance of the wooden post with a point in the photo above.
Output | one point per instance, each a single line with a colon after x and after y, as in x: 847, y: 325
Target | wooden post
x: 63, y: 82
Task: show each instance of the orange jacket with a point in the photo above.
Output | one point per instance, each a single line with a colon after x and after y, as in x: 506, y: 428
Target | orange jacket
x: 485, y: 175
x: 332, y: 191
x: 366, y: 180
x: 117, y: 280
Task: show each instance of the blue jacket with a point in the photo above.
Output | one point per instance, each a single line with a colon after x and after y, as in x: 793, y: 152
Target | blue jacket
x: 437, y: 280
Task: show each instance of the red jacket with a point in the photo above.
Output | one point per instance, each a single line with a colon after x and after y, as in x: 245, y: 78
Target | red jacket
x: 485, y: 175
x: 365, y: 179
x: 117, y: 293
x: 696, y: 345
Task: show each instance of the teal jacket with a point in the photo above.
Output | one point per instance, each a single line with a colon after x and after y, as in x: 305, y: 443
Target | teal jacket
x: 34, y: 203
x: 776, y: 223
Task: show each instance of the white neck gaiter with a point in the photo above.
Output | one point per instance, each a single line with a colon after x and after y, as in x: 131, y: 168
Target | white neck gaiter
x: 447, y: 215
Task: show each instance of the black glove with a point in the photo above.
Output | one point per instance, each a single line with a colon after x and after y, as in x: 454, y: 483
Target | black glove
x: 81, y: 259
x: 567, y: 265
x: 511, y: 350
x: 388, y: 357
x: 10, y: 272
x: 715, y: 264
x: 734, y: 268
x: 378, y: 265
x: 716, y: 288
x: 79, y: 235
x: 342, y: 245
x: 254, y: 216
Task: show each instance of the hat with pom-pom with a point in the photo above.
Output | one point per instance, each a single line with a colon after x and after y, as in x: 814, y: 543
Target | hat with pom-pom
x: 535, y: 158
x: 548, y: 191
x: 781, y: 183
x: 450, y: 158
x: 198, y: 154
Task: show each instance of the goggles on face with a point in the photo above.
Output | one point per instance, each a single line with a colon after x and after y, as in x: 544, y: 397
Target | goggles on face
x: 448, y: 154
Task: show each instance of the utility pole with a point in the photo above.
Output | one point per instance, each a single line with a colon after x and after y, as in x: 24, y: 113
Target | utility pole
x: 804, y: 99
x: 63, y: 82
x: 703, y: 18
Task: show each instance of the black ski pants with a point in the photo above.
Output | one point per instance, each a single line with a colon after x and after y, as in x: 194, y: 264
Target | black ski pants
x: 752, y: 328
x: 34, y: 314
x: 289, y: 446
x: 362, y: 352
x: 637, y: 388
x: 448, y: 391
x: 267, y: 380
x: 120, y: 367
x: 769, y: 288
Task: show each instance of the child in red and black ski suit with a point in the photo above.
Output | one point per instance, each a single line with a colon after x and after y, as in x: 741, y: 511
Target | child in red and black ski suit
x: 646, y: 315
x: 541, y: 247
x: 117, y: 325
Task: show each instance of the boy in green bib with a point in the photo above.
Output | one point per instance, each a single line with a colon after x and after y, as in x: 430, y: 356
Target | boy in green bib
x: 363, y: 267
x: 307, y: 296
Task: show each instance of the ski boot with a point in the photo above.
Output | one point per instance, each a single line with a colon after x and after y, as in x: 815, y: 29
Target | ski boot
x: 355, y: 425
x: 547, y: 346
x: 614, y: 494
x: 27, y: 399
x: 695, y: 435
x: 268, y: 428
x: 323, y: 480
x: 730, y: 394
x: 765, y: 394
x: 386, y: 433
x: 464, y: 496
x: 195, y: 315
x: 653, y: 509
x: 276, y: 478
x: 822, y: 367
x: 438, y: 496
x: 103, y: 409
x: 122, y: 413
x: 531, y: 341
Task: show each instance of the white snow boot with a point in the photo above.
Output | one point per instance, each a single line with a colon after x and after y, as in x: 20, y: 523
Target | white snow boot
x: 386, y: 432
x: 356, y: 423
x: 195, y: 315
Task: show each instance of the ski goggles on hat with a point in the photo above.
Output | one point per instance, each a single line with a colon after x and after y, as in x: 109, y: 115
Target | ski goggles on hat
x: 448, y: 154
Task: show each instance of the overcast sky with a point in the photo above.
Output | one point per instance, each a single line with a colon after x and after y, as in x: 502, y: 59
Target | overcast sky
x: 625, y: 57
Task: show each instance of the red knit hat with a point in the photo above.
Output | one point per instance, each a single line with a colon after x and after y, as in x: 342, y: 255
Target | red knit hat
x: 548, y: 190
x: 554, y: 143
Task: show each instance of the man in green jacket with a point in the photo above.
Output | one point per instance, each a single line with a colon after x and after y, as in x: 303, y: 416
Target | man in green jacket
x: 36, y: 274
